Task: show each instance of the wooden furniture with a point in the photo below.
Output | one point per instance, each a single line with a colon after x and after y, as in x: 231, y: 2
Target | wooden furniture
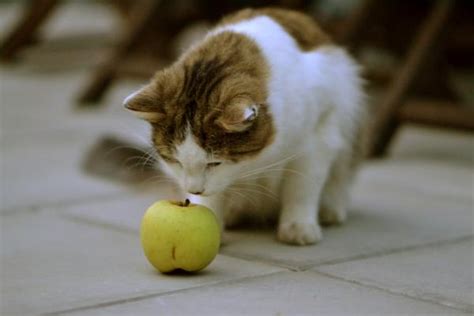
x: 423, y: 66
x: 34, y: 15
x: 142, y: 18
x: 387, y: 119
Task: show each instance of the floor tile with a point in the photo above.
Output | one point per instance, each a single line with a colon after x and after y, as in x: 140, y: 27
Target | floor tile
x: 439, y: 179
x: 286, y: 293
x: 68, y: 41
x: 42, y: 154
x: 417, y: 142
x: 442, y: 274
x: 51, y: 263
x: 124, y: 213
x: 49, y: 106
x: 46, y: 169
x: 44, y: 139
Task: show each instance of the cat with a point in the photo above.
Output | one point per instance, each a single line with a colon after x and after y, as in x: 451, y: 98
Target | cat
x: 264, y: 115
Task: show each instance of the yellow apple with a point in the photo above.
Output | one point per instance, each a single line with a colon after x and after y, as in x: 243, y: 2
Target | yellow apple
x: 177, y: 235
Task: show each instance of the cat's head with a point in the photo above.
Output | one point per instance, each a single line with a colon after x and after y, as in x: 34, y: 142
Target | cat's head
x: 208, y: 112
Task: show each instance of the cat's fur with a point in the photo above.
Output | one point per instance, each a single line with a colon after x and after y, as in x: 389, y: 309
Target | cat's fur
x: 264, y: 115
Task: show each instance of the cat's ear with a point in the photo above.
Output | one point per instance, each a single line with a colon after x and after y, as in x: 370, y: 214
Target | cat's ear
x: 238, y: 117
x: 144, y: 105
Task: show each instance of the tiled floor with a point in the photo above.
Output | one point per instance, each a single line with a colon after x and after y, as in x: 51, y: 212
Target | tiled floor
x: 69, y: 241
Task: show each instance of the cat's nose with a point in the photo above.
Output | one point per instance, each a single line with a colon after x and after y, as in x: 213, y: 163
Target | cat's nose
x: 194, y: 185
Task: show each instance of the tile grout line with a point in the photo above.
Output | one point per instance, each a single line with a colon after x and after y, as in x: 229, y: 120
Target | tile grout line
x: 347, y: 259
x: 98, y: 223
x: 382, y: 253
x: 34, y: 208
x: 155, y: 295
x: 452, y: 199
x: 251, y: 258
x: 465, y: 308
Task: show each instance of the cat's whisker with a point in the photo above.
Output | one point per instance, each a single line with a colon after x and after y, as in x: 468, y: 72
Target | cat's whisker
x: 241, y: 194
x: 140, y: 165
x: 147, y: 156
x: 259, y: 186
x: 158, y: 179
x: 281, y: 170
x: 112, y: 150
x: 160, y: 175
x: 150, y: 159
x: 144, y: 155
x: 257, y: 191
x: 257, y: 177
x: 135, y: 160
x: 141, y: 161
x: 279, y: 162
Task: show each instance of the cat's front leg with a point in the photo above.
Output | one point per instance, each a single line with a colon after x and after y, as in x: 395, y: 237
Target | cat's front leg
x: 302, y: 185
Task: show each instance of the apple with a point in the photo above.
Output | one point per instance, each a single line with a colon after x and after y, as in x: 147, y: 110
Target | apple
x: 177, y: 235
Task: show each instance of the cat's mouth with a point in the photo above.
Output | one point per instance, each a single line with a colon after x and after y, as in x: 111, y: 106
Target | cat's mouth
x: 205, y: 193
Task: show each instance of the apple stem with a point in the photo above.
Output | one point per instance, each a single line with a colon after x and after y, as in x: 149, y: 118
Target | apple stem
x: 187, y: 202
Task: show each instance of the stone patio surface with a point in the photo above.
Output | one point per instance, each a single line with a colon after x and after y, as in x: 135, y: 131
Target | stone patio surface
x: 70, y: 243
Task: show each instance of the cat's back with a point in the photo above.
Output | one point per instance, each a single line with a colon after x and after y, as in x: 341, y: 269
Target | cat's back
x: 291, y: 42
x: 300, y: 27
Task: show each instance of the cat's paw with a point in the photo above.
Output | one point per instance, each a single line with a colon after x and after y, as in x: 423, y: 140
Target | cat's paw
x: 332, y: 216
x: 299, y: 233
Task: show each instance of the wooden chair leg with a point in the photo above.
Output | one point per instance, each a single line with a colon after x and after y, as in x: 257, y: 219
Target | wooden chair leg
x: 146, y: 11
x: 35, y: 14
x: 439, y: 113
x: 386, y: 122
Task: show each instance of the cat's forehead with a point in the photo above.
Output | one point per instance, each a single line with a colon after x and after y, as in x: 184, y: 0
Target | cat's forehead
x: 189, y: 152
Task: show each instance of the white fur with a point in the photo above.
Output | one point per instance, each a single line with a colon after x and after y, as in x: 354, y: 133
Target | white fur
x: 193, y: 161
x: 316, y: 101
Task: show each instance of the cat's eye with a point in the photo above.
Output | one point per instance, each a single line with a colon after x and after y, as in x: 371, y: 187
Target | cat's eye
x: 176, y: 162
x: 213, y: 164
x: 172, y: 160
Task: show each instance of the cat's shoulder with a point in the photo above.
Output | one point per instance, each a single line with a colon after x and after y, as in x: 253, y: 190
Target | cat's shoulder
x: 304, y: 30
